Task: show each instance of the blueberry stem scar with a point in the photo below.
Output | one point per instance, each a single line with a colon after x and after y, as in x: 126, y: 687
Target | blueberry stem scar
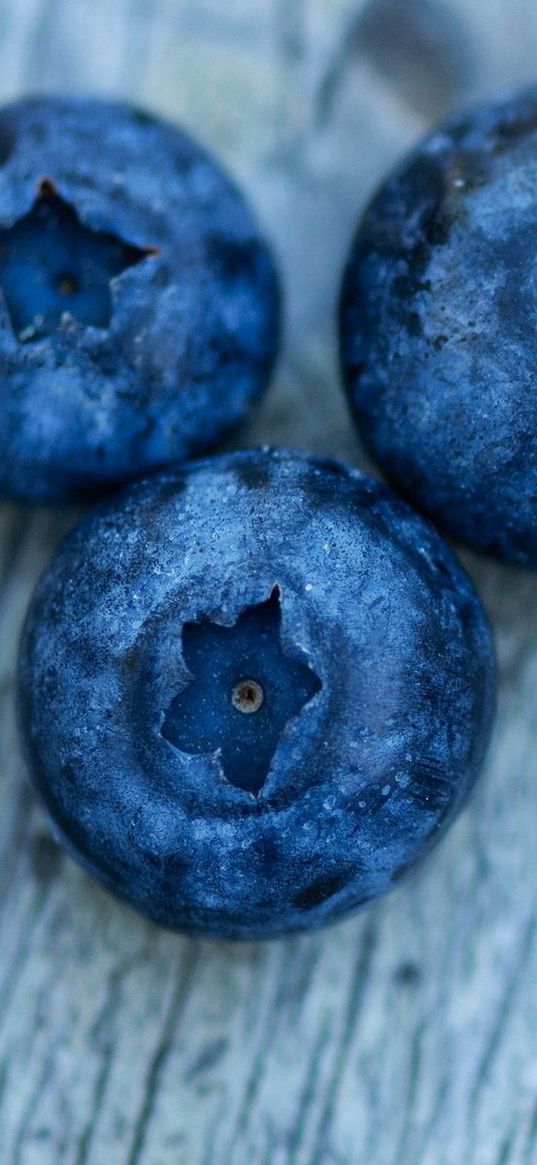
x: 247, y: 696
x: 51, y: 263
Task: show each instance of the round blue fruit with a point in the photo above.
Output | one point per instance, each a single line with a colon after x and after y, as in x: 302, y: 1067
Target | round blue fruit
x: 253, y: 692
x: 139, y: 305
x: 438, y: 336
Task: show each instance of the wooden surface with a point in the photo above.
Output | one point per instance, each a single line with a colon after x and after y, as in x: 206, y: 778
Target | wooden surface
x: 406, y: 1036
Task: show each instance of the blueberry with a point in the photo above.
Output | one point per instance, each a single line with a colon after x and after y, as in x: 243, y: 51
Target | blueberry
x: 438, y: 336
x: 253, y: 692
x: 139, y: 306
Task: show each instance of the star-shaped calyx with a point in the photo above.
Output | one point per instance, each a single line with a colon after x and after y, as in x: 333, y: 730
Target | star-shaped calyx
x: 51, y: 263
x: 243, y: 692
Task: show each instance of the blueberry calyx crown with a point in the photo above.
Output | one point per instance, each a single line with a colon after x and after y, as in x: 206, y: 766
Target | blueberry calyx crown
x: 244, y: 690
x: 51, y: 263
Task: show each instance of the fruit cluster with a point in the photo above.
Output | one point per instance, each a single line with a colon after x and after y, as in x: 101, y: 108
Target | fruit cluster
x: 256, y: 688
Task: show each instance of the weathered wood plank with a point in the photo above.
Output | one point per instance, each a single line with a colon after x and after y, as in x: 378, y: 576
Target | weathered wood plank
x: 405, y: 1036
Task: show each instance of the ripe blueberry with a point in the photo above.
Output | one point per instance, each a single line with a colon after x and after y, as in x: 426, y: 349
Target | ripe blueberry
x: 139, y: 308
x: 253, y: 692
x: 438, y: 340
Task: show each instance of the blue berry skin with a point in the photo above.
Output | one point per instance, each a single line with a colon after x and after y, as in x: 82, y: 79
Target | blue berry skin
x: 139, y: 304
x: 197, y: 589
x: 438, y: 336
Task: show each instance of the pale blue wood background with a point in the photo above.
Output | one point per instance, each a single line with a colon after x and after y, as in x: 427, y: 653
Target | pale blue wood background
x: 406, y: 1036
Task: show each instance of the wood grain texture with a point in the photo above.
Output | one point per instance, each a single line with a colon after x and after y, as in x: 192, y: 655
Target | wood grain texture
x: 405, y: 1036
